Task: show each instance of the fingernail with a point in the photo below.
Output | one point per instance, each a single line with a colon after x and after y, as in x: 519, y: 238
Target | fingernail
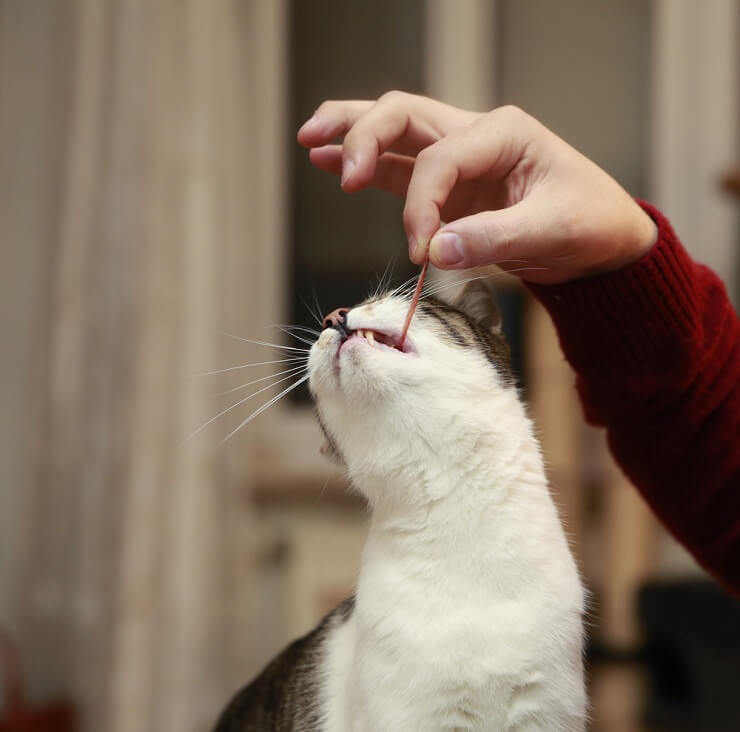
x: 446, y: 248
x: 412, y: 247
x: 347, y: 169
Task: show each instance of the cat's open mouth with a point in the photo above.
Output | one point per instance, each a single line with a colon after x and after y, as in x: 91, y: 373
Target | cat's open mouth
x: 378, y: 339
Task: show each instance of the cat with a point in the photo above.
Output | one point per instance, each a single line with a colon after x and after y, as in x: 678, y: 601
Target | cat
x: 468, y: 609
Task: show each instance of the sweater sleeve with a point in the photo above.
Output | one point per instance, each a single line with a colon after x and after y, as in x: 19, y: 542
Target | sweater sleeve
x: 656, y: 350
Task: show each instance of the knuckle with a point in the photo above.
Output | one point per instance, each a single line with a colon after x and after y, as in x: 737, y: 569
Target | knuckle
x: 510, y: 114
x: 428, y: 156
x: 438, y: 158
x: 326, y: 108
x: 359, y: 139
x: 393, y: 97
x: 511, y: 110
x: 351, y: 137
x: 422, y: 158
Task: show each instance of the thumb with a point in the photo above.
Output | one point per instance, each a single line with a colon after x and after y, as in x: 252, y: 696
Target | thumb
x: 485, y: 238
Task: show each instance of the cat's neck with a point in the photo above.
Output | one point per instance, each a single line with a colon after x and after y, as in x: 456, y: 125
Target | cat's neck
x: 481, y: 496
x: 469, y: 499
x: 483, y: 451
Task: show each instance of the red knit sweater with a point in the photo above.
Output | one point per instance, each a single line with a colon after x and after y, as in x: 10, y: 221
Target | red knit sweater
x: 656, y: 349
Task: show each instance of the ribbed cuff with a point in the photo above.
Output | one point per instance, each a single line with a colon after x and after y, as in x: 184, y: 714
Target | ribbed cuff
x: 632, y: 318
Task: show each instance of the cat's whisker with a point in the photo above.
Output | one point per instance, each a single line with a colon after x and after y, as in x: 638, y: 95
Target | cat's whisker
x: 500, y: 271
x: 241, y: 401
x: 435, y: 287
x: 314, y: 315
x: 297, y: 337
x: 391, y: 269
x: 406, y: 288
x: 289, y: 330
x: 293, y: 370
x: 446, y: 285
x: 265, y: 406
x: 373, y: 291
x: 300, y: 328
x: 326, y: 483
x: 385, y: 280
x: 318, y: 306
x: 406, y: 283
x: 407, y: 291
x: 250, y: 365
x: 267, y: 344
x: 410, y: 282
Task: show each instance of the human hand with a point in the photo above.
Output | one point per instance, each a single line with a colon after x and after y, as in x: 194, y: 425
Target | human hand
x: 513, y: 192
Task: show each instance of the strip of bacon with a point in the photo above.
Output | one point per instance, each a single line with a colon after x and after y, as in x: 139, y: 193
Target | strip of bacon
x: 414, y: 301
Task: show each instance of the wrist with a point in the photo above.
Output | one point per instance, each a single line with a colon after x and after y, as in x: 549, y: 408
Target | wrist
x: 643, y: 238
x: 638, y: 237
x: 636, y: 315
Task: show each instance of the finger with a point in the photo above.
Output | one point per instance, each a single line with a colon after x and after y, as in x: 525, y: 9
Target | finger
x: 399, y: 122
x: 335, y: 118
x: 490, y: 237
x: 332, y: 119
x: 491, y: 146
x: 392, y: 172
x: 327, y: 158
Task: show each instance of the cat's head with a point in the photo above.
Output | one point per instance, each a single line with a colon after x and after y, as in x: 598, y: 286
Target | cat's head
x: 381, y: 405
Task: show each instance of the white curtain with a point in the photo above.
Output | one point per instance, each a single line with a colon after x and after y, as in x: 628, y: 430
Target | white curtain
x: 134, y: 183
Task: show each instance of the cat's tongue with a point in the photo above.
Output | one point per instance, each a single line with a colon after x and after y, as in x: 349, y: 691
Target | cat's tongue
x: 414, y: 301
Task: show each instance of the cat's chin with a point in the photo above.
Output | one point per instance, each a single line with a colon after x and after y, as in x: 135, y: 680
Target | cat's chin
x: 337, y: 361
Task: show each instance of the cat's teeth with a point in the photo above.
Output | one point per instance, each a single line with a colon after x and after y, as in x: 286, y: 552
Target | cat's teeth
x: 370, y: 337
x: 360, y: 332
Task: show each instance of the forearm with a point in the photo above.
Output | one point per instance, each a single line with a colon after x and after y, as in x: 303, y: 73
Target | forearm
x: 656, y: 347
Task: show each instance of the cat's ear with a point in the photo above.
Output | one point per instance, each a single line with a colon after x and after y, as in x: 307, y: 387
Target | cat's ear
x: 477, y: 301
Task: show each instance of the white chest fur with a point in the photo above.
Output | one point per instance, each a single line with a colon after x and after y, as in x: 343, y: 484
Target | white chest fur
x: 468, y: 618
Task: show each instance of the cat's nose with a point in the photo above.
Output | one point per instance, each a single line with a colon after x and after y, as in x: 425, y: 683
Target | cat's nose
x: 337, y: 319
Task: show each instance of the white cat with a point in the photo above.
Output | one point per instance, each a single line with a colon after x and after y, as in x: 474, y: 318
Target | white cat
x: 468, y: 610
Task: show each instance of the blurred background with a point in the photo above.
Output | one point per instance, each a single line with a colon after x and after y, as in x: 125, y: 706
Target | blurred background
x: 153, y: 199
